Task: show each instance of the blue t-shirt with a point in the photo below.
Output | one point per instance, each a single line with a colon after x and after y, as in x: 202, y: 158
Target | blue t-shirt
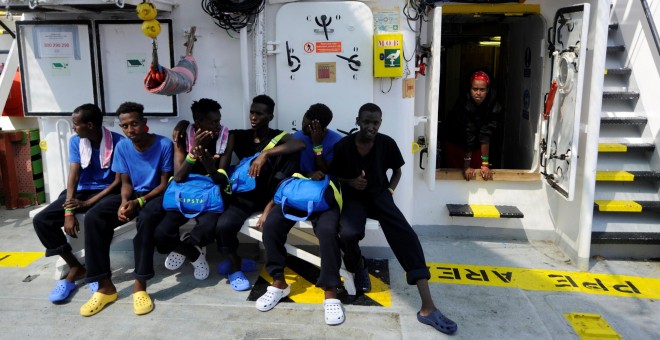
x: 307, y: 163
x: 144, y: 168
x: 92, y: 177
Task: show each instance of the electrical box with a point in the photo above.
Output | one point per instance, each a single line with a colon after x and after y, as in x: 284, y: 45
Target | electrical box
x: 388, y: 55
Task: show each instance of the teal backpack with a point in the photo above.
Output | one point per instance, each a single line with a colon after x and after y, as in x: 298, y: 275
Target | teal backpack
x: 301, y: 193
x: 239, y: 178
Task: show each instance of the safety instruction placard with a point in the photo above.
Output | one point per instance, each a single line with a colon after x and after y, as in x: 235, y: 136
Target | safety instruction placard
x: 546, y: 280
x: 328, y: 46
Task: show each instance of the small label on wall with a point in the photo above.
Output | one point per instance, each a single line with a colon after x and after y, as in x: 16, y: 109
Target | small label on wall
x: 409, y: 88
x: 326, y: 72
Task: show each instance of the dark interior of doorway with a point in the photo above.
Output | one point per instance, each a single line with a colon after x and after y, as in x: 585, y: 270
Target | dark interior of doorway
x: 469, y: 45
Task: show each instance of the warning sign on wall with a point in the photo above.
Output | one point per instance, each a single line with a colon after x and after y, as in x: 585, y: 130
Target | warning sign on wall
x: 328, y: 46
x: 326, y: 72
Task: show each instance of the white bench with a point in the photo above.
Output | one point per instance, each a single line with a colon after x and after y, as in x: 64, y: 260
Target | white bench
x: 304, y: 231
x: 123, y: 232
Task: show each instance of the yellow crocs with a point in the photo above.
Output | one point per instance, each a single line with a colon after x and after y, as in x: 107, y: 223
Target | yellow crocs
x: 142, y: 303
x: 96, y: 303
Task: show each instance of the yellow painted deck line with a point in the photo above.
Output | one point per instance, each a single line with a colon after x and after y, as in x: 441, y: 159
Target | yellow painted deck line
x: 19, y: 259
x: 618, y: 206
x: 614, y: 176
x: 303, y: 291
x: 612, y: 147
x: 546, y: 280
x: 484, y: 211
x: 591, y: 326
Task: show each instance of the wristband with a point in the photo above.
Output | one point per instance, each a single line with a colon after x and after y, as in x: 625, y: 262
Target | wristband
x: 318, y: 152
x: 484, y: 158
x: 391, y: 190
x: 190, y: 159
x: 485, y: 167
x: 68, y: 210
x: 467, y: 158
x: 317, y: 147
x: 68, y: 214
x: 141, y: 201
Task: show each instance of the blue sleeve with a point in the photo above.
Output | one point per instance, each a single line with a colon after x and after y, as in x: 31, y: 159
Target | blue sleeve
x: 74, y: 149
x: 168, y: 156
x: 119, y: 163
x: 299, y: 134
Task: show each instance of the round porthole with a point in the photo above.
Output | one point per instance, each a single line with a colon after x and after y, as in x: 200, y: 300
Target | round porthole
x: 566, y: 72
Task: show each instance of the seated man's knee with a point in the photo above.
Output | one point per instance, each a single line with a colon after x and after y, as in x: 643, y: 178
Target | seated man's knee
x: 351, y: 234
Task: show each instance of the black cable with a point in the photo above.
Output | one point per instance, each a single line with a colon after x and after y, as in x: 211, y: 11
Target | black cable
x: 233, y: 15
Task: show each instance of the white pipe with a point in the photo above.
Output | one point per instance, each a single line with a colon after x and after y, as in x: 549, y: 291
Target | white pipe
x: 260, y: 68
x: 245, y: 73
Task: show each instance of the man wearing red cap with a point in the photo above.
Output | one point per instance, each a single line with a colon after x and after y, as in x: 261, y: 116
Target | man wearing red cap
x: 470, y: 126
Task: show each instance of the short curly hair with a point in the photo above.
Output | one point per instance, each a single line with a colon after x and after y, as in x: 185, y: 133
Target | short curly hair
x: 201, y: 108
x: 127, y: 107
x: 320, y: 112
x: 266, y: 100
x: 90, y: 113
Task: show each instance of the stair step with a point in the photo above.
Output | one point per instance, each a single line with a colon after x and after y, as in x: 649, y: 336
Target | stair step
x: 623, y: 120
x: 616, y: 48
x: 614, y: 26
x: 603, y: 237
x: 626, y: 206
x: 625, y: 147
x: 484, y: 211
x: 621, y: 95
x: 627, y: 176
x: 625, y: 71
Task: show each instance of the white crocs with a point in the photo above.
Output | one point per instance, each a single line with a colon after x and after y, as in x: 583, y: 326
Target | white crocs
x: 334, y: 312
x: 272, y: 296
x: 174, y: 260
x: 201, y: 266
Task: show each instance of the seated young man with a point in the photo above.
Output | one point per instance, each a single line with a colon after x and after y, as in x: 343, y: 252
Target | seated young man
x: 144, y: 162
x: 198, y: 149
x: 91, y: 181
x: 269, y: 168
x: 360, y: 163
x: 314, y: 163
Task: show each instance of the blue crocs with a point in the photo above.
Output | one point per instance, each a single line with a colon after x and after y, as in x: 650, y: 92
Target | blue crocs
x: 238, y: 281
x: 93, y: 287
x: 439, y: 322
x: 61, y: 291
x: 247, y: 265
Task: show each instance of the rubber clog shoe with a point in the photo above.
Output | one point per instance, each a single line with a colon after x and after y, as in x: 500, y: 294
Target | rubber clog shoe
x: 202, y: 268
x: 439, y: 322
x: 97, y: 303
x: 61, y: 291
x: 334, y: 313
x: 142, y: 303
x: 362, y: 280
x: 174, y: 260
x: 93, y: 287
x: 271, y: 298
x: 239, y: 281
x: 247, y: 265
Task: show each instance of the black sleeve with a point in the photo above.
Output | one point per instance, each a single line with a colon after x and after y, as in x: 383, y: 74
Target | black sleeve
x: 489, y: 127
x: 339, y: 159
x: 394, y: 159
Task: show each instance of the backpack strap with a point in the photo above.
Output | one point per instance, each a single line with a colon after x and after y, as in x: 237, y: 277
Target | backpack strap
x: 274, y: 141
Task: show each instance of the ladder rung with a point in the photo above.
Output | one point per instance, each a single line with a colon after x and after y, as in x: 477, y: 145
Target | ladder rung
x: 627, y: 206
x: 627, y: 176
x: 637, y: 120
x: 625, y: 147
x: 603, y: 237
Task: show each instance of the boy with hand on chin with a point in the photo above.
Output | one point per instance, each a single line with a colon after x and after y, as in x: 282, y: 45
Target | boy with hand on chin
x: 360, y: 163
x: 144, y: 162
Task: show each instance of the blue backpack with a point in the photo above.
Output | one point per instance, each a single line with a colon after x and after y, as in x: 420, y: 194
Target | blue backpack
x: 301, y: 193
x: 239, y: 179
x: 195, y: 195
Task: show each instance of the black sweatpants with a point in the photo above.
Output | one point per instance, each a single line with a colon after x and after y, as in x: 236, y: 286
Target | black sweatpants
x: 100, y: 223
x: 167, y: 232
x: 144, y: 243
x: 231, y: 221
x: 48, y: 223
x: 326, y: 227
x: 400, y: 236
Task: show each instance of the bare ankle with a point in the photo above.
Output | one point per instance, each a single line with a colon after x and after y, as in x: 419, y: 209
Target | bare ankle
x: 280, y: 283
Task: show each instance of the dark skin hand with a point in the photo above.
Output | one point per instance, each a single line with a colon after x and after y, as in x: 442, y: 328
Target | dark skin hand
x: 360, y: 182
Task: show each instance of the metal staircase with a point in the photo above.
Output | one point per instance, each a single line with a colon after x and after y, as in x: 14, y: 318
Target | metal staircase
x: 626, y: 221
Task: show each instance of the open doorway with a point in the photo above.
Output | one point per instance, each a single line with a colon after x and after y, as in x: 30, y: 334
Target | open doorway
x: 509, y: 49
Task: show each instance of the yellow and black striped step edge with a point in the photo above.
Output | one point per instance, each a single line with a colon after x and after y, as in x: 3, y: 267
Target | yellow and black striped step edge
x: 627, y: 176
x: 484, y: 211
x: 625, y: 147
x: 626, y: 206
